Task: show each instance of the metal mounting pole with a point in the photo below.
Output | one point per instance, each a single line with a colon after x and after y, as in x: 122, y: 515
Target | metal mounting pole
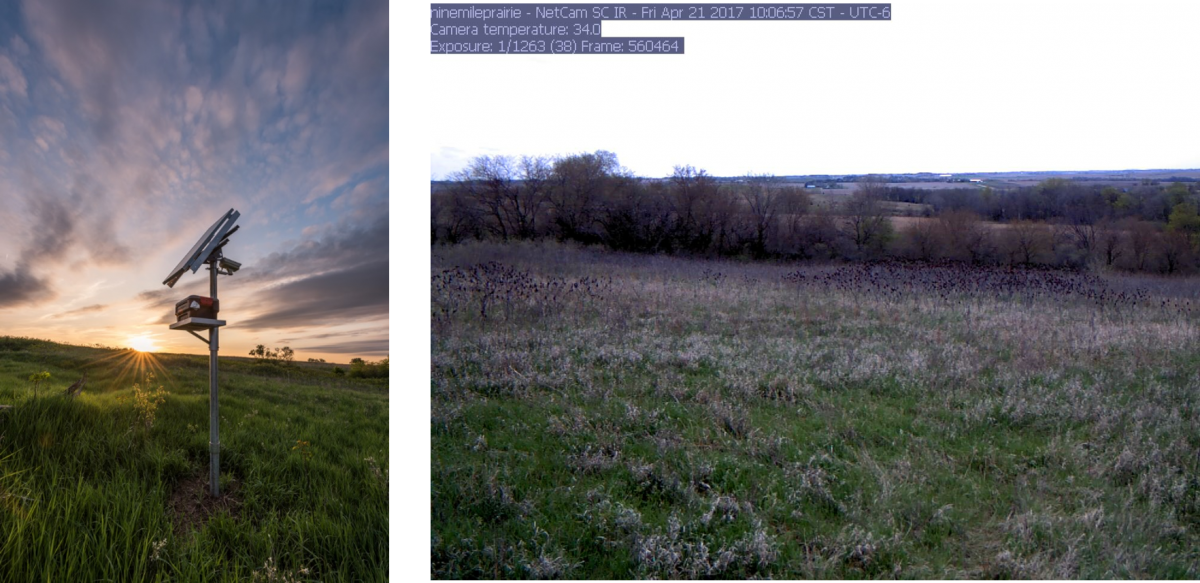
x: 214, y: 439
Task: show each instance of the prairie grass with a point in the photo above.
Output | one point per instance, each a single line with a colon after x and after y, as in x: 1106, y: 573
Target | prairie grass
x: 693, y: 418
x: 112, y: 485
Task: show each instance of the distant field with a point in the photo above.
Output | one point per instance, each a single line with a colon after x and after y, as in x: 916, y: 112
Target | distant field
x: 108, y: 487
x: 931, y: 185
x: 1020, y: 181
x: 904, y: 223
x: 834, y: 202
x: 600, y: 415
x: 850, y: 186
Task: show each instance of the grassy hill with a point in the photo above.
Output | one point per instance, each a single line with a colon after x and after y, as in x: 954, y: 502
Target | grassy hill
x: 112, y: 485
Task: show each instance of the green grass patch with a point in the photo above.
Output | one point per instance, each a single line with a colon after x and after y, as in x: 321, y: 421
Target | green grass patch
x: 97, y: 487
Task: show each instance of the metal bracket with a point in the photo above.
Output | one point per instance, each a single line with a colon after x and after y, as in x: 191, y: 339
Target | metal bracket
x: 202, y: 339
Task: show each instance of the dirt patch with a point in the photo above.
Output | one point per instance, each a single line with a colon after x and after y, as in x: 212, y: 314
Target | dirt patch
x: 192, y: 506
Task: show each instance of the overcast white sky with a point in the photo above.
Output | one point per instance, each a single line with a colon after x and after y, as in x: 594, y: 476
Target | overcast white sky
x: 946, y: 86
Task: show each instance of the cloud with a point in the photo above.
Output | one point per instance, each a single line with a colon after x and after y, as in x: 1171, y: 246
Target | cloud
x: 366, y: 198
x: 346, y: 244
x: 298, y: 67
x: 164, y: 299
x: 335, y: 297
x: 53, y: 227
x: 193, y: 101
x: 20, y: 287
x: 98, y: 48
x: 81, y: 311
x: 339, y: 278
x: 377, y: 347
x: 342, y: 172
x: 12, y: 81
x: 158, y: 296
x: 161, y: 302
x: 58, y: 224
x: 47, y: 131
x: 376, y: 332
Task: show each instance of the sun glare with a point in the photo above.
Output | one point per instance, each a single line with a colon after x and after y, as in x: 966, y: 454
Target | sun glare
x: 142, y: 344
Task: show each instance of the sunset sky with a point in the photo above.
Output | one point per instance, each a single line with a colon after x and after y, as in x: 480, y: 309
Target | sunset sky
x: 127, y: 128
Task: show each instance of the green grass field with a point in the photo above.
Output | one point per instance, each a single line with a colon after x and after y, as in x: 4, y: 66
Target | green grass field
x: 102, y: 488
x: 599, y: 415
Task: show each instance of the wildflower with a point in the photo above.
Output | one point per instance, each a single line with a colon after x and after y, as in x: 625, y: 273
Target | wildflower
x: 158, y: 547
x: 302, y: 446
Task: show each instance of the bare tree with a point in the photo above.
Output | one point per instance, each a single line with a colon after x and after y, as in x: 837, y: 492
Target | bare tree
x: 868, y: 225
x: 765, y: 204
x: 509, y: 195
x: 703, y: 212
x: 1142, y: 237
x: 1081, y: 236
x: 528, y: 202
x: 1110, y: 239
x: 965, y: 235
x: 1025, y: 241
x: 819, y: 235
x: 791, y: 222
x: 638, y: 218
x: 923, y: 238
x: 1176, y: 250
x: 458, y: 219
x: 580, y: 183
x: 489, y: 183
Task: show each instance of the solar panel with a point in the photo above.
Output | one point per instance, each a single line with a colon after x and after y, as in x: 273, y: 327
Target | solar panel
x: 215, y: 241
x: 213, y: 238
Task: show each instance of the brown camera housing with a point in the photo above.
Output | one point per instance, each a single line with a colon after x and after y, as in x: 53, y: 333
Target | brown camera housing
x: 197, y: 307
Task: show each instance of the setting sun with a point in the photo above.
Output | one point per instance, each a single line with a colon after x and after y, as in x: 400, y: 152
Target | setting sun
x: 142, y: 343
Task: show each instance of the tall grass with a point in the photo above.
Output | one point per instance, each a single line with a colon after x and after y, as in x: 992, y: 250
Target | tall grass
x: 88, y: 486
x: 700, y: 419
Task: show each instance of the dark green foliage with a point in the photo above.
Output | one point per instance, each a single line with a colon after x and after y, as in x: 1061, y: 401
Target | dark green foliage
x: 361, y: 369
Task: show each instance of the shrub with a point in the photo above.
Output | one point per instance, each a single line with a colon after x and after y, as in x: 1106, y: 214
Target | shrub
x: 146, y: 401
x: 37, y: 378
x: 361, y: 369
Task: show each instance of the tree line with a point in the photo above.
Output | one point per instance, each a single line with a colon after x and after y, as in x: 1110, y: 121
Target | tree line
x: 589, y: 198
